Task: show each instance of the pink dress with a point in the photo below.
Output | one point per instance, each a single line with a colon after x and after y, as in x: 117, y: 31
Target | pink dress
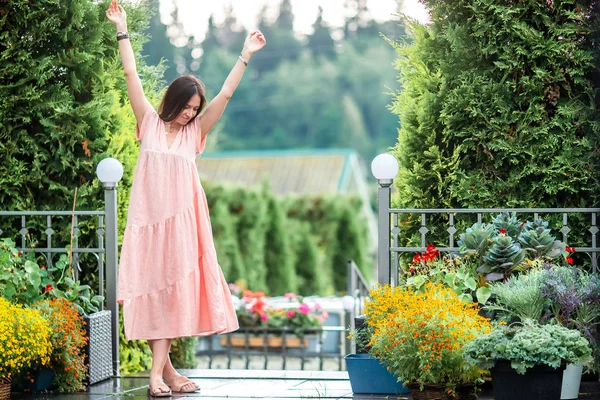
x: 170, y: 283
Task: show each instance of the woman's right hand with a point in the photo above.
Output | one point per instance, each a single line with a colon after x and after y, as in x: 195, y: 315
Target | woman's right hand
x: 116, y: 14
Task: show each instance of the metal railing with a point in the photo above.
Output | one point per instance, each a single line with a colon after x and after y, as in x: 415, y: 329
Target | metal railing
x: 358, y: 289
x: 389, y: 251
x: 252, y: 344
x: 105, y: 250
x: 260, y: 346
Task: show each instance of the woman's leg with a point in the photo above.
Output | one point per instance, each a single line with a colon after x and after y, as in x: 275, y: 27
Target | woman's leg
x: 176, y: 381
x: 160, y: 354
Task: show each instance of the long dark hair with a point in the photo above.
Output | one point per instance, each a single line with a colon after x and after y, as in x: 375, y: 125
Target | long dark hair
x: 179, y: 92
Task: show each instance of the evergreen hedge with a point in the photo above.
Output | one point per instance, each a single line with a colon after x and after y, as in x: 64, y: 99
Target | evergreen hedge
x: 287, y: 244
x: 64, y: 108
x: 499, y: 106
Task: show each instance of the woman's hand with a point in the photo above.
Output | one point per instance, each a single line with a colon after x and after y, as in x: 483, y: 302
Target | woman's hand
x: 254, y: 42
x: 116, y: 14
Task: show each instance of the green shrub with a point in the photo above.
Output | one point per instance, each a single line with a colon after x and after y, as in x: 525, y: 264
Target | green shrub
x: 281, y: 274
x: 183, y: 353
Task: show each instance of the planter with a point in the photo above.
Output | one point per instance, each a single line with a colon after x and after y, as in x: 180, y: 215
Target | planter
x: 359, y: 324
x: 34, y: 380
x: 368, y: 375
x: 98, y: 352
x: 571, y: 382
x: 4, y: 391
x: 439, y: 392
x: 39, y: 380
x: 271, y: 342
x: 466, y: 392
x: 539, y: 383
x: 429, y: 392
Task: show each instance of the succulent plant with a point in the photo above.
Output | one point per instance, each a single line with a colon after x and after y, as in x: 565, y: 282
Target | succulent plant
x: 537, y: 239
x: 476, y: 239
x: 508, y: 223
x: 502, y: 258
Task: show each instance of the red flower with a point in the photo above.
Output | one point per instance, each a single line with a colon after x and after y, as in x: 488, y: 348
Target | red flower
x: 502, y: 231
x: 569, y: 260
x: 521, y: 226
x: 570, y: 249
x: 416, y: 258
x: 48, y: 287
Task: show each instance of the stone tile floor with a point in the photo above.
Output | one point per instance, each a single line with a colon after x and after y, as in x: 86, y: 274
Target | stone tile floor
x: 251, y: 384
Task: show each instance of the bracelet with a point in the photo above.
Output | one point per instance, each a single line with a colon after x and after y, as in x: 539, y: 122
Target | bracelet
x: 242, y: 60
x: 122, y: 36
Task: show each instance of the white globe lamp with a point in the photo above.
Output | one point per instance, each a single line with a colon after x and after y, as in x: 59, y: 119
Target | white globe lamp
x: 384, y: 168
x: 109, y: 171
x: 348, y: 303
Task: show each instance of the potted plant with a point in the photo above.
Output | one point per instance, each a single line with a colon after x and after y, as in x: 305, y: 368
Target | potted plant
x: 507, y: 246
x: 574, y: 297
x: 419, y: 337
x: 27, y: 280
x: 275, y: 327
x: 25, y: 342
x: 458, y: 272
x: 366, y: 373
x: 526, y: 360
x: 68, y: 339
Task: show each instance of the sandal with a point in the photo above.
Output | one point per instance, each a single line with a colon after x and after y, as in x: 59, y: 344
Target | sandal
x: 180, y: 382
x: 157, y: 392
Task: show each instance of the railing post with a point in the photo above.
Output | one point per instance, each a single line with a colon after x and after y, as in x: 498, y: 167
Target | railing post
x: 383, y: 212
x: 110, y: 204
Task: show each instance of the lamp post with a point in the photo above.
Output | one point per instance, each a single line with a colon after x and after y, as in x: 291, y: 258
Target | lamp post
x: 110, y: 172
x: 384, y: 168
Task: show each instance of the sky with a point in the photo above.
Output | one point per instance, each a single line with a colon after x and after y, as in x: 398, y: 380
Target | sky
x: 194, y: 14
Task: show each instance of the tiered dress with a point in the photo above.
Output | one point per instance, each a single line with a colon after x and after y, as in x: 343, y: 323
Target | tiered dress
x: 170, y: 283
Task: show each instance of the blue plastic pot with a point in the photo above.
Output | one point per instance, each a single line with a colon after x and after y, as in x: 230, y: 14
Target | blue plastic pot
x: 369, y: 376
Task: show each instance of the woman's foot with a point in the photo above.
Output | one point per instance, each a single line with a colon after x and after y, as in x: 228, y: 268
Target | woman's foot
x: 181, y: 384
x: 158, y: 388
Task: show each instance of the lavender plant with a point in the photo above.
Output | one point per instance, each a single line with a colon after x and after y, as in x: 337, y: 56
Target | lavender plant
x: 574, y: 297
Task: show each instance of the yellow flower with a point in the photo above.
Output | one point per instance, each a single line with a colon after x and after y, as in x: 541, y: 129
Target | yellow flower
x: 428, y: 330
x: 25, y: 341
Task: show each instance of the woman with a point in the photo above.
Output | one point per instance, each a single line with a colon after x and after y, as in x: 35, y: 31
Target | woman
x: 170, y: 284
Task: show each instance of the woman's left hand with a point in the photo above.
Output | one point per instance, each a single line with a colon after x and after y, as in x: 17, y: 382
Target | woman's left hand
x: 254, y: 42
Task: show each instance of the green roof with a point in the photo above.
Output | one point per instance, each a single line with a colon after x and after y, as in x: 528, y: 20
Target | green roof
x: 293, y: 171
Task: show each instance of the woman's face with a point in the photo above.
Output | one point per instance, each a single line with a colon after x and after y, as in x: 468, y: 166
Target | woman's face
x: 189, y: 111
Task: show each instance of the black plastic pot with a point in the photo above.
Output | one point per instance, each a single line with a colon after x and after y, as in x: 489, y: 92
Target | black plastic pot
x: 359, y: 324
x: 539, y: 383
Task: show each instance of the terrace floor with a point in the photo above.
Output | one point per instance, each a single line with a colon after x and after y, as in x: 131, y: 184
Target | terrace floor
x: 251, y: 384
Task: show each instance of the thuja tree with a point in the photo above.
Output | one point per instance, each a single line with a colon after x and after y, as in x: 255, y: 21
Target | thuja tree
x: 309, y: 269
x: 63, y: 106
x: 348, y: 243
x: 499, y: 105
x: 279, y: 258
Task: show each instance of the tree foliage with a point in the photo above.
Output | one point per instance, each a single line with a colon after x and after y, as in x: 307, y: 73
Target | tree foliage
x: 279, y: 258
x: 308, y: 92
x: 499, y: 105
x: 286, y: 244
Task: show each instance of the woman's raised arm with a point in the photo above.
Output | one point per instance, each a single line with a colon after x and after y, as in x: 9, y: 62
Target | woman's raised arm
x: 253, y: 43
x: 116, y: 14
